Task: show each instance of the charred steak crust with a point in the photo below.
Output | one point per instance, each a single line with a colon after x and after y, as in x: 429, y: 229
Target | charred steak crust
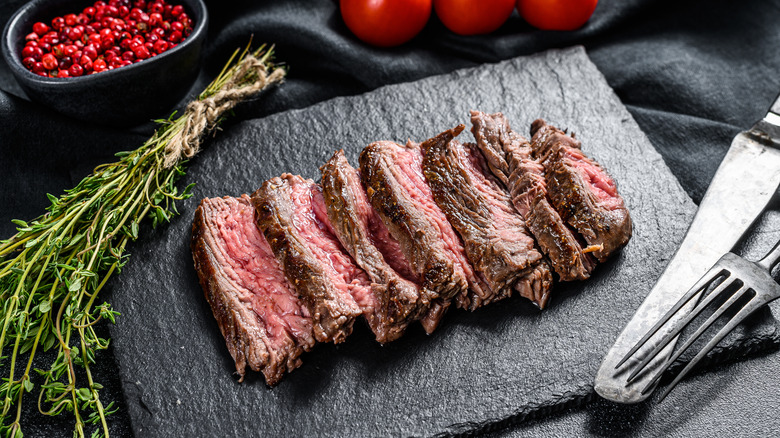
x: 495, y: 237
x: 419, y: 239
x: 333, y: 314
x: 557, y: 240
x: 396, y: 299
x: 537, y: 284
x: 509, y: 157
x: 246, y: 334
x: 492, y: 133
x: 430, y: 321
x: 581, y: 191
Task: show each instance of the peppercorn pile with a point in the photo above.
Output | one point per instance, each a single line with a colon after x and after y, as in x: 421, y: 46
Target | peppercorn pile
x: 104, y: 36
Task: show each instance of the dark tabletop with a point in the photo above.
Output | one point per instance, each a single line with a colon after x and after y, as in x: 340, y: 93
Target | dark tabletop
x: 692, y: 73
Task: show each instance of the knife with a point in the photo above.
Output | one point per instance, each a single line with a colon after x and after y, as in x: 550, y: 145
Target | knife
x: 743, y: 185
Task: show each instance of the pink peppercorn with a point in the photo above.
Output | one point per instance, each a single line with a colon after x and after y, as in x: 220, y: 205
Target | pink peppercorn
x: 49, y: 61
x: 104, y: 36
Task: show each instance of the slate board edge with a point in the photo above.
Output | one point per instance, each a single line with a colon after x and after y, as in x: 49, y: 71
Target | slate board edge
x: 557, y: 402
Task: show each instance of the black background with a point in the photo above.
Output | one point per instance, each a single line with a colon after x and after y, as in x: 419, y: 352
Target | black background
x: 692, y: 73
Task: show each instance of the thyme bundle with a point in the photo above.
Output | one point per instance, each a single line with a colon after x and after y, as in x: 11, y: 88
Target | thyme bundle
x: 52, y: 270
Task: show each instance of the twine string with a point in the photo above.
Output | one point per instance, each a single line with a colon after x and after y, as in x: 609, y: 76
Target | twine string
x: 202, y: 116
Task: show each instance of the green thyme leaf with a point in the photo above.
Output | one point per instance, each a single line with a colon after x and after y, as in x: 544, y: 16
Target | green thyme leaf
x: 53, y: 269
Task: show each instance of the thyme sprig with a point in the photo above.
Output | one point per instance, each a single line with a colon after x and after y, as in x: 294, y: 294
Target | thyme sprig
x: 52, y: 270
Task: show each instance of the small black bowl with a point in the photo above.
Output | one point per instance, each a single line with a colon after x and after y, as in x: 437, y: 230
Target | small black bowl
x: 121, y: 97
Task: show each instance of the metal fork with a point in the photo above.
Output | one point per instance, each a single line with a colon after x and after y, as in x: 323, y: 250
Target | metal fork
x: 740, y: 280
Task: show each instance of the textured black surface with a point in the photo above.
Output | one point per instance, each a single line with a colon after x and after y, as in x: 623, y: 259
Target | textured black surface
x: 691, y: 73
x: 506, y: 360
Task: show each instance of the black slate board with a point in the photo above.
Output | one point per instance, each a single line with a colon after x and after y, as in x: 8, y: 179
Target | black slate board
x: 506, y: 361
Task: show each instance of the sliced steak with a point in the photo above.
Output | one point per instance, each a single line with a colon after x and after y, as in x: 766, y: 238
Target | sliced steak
x: 495, y: 237
x: 264, y: 323
x: 430, y: 321
x: 291, y: 213
x: 393, y: 301
x: 508, y: 155
x: 581, y: 191
x: 495, y: 140
x: 396, y: 188
x: 536, y: 284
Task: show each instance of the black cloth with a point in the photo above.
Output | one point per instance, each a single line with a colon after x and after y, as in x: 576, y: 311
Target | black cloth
x: 692, y: 73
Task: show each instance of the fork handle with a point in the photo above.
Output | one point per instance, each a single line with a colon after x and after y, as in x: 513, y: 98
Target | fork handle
x: 771, y: 259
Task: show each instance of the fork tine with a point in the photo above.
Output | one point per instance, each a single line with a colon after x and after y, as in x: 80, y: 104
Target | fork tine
x: 750, y: 307
x: 703, y: 282
x: 714, y: 317
x: 680, y: 326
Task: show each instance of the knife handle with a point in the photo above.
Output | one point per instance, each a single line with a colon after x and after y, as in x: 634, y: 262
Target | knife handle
x: 768, y: 128
x: 776, y: 106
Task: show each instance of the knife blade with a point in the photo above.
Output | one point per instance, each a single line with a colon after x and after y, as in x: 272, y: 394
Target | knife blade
x: 743, y: 185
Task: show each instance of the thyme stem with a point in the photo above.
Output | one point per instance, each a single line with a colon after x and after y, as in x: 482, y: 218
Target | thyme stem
x: 58, y: 263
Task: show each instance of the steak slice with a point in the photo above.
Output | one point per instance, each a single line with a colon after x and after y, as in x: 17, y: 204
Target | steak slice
x: 264, y: 323
x: 508, y: 155
x: 435, y: 313
x: 291, y: 213
x: 581, y: 191
x: 393, y: 301
x: 496, y: 240
x: 396, y: 188
x: 536, y: 284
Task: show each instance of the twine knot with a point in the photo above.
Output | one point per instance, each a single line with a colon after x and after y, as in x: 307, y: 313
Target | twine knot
x: 251, y: 77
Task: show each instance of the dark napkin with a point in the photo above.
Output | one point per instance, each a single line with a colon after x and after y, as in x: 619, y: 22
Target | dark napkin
x: 507, y: 360
x: 691, y: 73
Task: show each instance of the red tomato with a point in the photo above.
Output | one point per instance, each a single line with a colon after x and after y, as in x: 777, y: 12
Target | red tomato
x: 385, y: 23
x: 473, y: 17
x: 556, y: 14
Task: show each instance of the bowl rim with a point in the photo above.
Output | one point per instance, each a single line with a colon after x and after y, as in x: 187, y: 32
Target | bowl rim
x: 23, y: 74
